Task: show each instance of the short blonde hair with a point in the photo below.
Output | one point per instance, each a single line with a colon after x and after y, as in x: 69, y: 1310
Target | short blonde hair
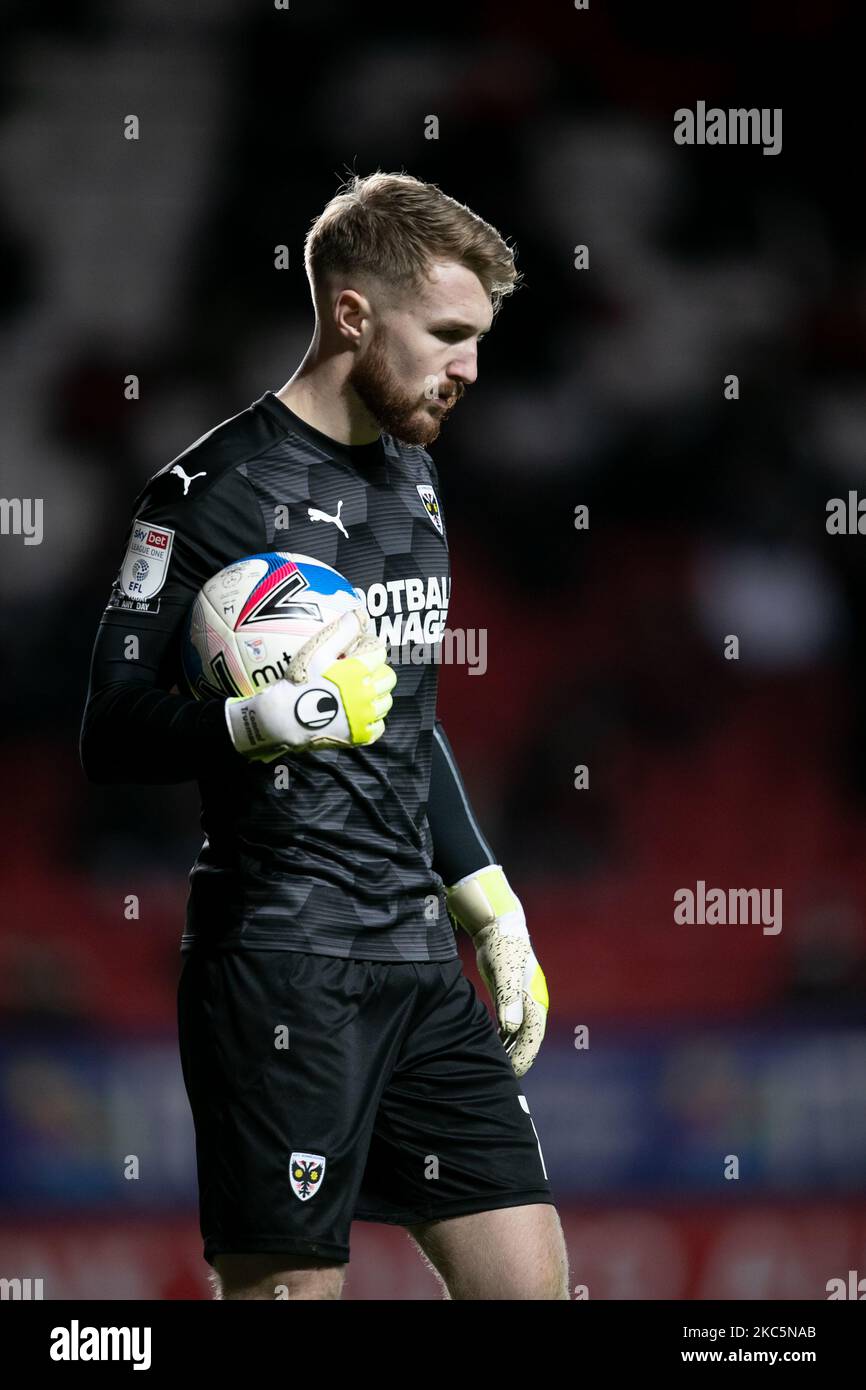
x: 393, y: 226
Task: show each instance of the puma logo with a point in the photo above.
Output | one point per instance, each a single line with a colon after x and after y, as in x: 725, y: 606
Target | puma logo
x: 179, y: 473
x: 316, y: 514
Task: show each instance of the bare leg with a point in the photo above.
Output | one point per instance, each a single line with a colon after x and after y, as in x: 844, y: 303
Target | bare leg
x: 275, y: 1276
x: 511, y: 1253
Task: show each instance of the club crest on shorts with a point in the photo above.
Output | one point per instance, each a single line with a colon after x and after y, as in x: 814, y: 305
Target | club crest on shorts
x: 306, y: 1172
x: 427, y: 493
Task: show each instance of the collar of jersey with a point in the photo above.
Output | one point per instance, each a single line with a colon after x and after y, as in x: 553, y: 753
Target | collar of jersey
x: 360, y: 455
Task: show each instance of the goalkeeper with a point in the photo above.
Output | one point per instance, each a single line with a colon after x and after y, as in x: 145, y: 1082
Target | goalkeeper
x: 322, y: 903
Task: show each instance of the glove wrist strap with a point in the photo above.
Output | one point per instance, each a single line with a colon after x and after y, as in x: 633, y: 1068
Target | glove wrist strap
x: 479, y: 898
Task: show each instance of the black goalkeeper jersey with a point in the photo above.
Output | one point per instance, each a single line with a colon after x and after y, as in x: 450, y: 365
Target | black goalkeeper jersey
x: 334, y: 854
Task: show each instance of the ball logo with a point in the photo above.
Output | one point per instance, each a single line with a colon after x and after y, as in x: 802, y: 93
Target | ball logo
x: 316, y: 709
x: 140, y: 569
x: 233, y: 576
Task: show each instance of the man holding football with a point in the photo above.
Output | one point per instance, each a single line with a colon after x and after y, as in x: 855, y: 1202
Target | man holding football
x: 321, y: 903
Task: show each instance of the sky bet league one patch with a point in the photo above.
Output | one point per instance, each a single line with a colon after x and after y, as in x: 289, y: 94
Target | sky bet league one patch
x: 144, y: 568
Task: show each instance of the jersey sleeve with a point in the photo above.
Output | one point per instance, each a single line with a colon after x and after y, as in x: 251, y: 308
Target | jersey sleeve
x: 459, y: 848
x: 133, y: 728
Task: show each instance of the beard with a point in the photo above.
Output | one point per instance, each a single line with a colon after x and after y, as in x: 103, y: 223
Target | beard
x: 411, y: 419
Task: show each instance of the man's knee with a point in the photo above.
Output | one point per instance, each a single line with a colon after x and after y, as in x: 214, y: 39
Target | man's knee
x: 546, y: 1280
x: 276, y: 1276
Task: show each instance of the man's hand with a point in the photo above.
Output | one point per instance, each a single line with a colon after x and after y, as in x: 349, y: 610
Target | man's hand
x: 335, y: 694
x: 484, y: 905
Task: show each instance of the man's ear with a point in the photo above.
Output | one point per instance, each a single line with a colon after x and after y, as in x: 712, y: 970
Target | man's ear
x: 351, y: 311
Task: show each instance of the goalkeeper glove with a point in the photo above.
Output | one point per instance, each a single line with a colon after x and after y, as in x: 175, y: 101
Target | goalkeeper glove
x: 335, y: 694
x: 484, y: 905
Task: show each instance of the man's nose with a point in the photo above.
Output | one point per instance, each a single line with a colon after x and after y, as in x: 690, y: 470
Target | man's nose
x: 464, y: 368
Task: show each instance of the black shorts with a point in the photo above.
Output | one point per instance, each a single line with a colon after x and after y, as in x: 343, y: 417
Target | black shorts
x: 326, y: 1090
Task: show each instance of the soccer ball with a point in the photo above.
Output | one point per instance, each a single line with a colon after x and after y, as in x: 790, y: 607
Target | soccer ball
x: 249, y: 620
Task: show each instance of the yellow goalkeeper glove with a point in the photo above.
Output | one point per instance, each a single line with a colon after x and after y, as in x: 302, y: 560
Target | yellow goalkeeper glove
x: 483, y: 904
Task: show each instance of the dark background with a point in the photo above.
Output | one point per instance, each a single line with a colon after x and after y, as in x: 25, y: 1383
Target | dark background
x: 601, y: 387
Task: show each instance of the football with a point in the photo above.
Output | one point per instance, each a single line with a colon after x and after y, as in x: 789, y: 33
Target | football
x: 249, y: 620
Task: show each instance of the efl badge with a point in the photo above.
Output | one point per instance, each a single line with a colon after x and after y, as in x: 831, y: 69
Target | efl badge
x: 431, y: 504
x: 144, y: 569
x: 306, y: 1172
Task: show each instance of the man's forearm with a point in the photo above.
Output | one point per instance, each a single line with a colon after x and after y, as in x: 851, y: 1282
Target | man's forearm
x: 134, y: 732
x: 459, y: 847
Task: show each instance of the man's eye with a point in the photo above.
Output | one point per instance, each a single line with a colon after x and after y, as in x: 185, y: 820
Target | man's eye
x: 456, y: 335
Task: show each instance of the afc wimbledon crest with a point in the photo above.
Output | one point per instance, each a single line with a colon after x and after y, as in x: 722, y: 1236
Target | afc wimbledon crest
x: 306, y: 1172
x: 431, y: 503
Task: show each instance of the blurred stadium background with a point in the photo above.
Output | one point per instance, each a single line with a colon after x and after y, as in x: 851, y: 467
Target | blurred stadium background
x: 601, y: 387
